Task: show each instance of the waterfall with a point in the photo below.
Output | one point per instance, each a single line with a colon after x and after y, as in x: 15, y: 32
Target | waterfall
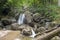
x: 47, y: 24
x: 21, y: 18
x: 33, y: 34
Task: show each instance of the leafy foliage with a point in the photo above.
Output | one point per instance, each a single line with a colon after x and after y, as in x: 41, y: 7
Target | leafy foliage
x: 48, y: 8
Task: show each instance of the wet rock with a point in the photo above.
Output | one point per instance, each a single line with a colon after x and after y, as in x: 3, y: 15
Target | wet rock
x: 56, y: 38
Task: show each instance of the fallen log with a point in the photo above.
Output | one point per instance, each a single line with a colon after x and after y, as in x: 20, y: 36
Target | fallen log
x: 47, y: 31
x: 49, y: 35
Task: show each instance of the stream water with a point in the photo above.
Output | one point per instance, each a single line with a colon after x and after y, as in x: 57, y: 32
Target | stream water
x: 21, y: 21
x: 33, y: 34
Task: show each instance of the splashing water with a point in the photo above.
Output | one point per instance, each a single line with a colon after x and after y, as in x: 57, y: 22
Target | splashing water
x: 33, y: 34
x: 21, y: 19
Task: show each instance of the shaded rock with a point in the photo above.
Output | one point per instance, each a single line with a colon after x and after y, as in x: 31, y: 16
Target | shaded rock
x: 1, y: 26
x: 13, y: 20
x: 6, y: 22
x: 31, y: 24
x: 59, y: 35
x: 56, y: 38
x: 40, y: 29
x: 36, y: 17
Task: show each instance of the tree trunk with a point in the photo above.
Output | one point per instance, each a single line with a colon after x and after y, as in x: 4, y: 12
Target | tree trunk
x: 49, y: 35
x: 47, y: 31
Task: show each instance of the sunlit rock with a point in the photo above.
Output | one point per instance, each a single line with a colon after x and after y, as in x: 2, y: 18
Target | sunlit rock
x: 28, y: 16
x: 27, y: 31
x: 56, y: 38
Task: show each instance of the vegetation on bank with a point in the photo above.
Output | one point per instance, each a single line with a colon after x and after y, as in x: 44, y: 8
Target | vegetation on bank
x: 46, y: 8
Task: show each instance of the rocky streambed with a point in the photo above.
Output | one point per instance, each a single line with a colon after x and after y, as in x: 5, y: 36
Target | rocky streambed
x: 33, y: 28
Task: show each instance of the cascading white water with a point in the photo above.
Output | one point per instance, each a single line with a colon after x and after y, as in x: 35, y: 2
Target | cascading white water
x: 33, y: 34
x: 47, y: 24
x: 21, y: 18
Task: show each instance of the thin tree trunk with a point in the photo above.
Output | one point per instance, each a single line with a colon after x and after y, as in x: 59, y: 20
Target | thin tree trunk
x: 58, y: 2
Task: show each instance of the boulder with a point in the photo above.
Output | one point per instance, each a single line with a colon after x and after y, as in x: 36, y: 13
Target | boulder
x: 28, y: 16
x: 15, y: 26
x: 36, y: 17
x: 7, y: 21
x: 40, y: 29
x: 56, y: 38
x: 26, y: 30
x: 8, y: 27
